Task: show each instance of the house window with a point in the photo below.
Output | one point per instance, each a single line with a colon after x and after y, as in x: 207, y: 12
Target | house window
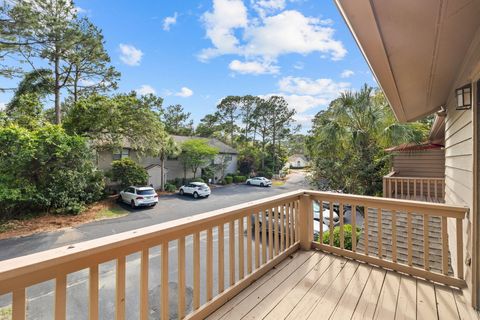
x: 121, y: 154
x: 228, y: 157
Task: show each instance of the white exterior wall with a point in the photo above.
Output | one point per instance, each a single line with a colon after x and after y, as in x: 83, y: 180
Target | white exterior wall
x: 461, y: 164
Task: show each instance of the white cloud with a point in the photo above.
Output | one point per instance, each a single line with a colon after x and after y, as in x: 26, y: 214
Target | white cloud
x: 3, y: 105
x: 305, y: 120
x: 227, y: 15
x: 130, y: 55
x: 269, y: 36
x: 347, y: 73
x: 299, y: 65
x: 184, y: 92
x: 264, y: 7
x: 326, y: 88
x: 169, y: 21
x: 145, y: 89
x: 253, y: 67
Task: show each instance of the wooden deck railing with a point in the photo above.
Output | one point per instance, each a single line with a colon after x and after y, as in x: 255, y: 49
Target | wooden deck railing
x: 256, y: 254
x: 414, y: 188
x: 254, y: 237
x: 399, y: 237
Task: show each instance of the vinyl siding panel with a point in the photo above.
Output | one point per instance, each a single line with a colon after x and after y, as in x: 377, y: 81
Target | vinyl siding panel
x: 428, y: 163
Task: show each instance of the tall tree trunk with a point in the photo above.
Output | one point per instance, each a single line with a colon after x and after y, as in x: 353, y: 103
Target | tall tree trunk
x: 58, y: 111
x: 162, y: 172
x: 75, y: 87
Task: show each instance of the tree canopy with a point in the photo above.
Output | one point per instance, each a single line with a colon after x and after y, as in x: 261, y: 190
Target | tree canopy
x: 347, y: 141
x: 196, y: 153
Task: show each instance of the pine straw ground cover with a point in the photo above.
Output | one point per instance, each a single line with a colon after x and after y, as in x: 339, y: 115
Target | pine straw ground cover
x: 105, y: 209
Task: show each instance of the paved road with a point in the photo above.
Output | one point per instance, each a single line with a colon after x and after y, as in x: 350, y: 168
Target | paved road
x: 169, y: 208
x: 40, y: 297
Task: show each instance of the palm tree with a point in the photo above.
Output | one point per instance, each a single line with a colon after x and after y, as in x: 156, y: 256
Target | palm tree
x: 348, y: 140
x: 168, y: 148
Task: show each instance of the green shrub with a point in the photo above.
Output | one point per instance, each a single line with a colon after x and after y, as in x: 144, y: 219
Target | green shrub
x: 267, y: 174
x: 238, y: 179
x: 347, y: 232
x: 177, y: 182
x: 197, y: 180
x: 170, y: 187
x: 45, y: 169
x: 228, y: 179
x: 128, y: 173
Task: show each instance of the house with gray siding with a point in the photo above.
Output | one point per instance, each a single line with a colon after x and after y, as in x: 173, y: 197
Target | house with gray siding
x: 173, y: 166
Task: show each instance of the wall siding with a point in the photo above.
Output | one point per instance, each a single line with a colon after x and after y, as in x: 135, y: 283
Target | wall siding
x: 427, y: 163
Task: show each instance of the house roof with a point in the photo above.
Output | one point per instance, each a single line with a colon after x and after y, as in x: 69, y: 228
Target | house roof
x: 416, y: 49
x: 214, y: 142
x: 296, y: 156
x: 408, y: 147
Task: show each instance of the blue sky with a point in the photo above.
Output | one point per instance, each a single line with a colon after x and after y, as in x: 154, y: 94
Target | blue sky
x: 196, y: 52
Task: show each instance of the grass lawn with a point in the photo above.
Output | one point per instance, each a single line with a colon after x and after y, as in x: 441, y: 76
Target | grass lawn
x: 277, y: 183
x: 6, y: 313
x: 109, y: 213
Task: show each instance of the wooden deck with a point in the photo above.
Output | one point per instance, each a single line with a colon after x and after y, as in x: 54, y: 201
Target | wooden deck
x: 316, y: 285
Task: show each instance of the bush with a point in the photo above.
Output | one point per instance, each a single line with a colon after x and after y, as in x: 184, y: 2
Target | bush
x: 46, y: 169
x: 128, y: 173
x: 177, y: 182
x: 196, y: 180
x: 347, y: 232
x: 267, y: 174
x: 238, y: 179
x: 170, y: 187
x: 228, y: 179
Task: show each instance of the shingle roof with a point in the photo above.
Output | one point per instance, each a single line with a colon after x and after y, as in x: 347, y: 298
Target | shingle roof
x: 214, y: 142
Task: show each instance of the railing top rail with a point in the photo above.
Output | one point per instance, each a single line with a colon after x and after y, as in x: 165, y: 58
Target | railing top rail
x: 391, y: 174
x: 412, y: 178
x: 105, y: 247
x: 453, y: 211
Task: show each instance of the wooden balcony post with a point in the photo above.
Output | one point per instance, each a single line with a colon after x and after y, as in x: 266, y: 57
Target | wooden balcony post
x: 305, y: 222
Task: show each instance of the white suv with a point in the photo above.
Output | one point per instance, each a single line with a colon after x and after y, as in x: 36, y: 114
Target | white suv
x: 139, y: 196
x: 259, y: 181
x: 197, y: 189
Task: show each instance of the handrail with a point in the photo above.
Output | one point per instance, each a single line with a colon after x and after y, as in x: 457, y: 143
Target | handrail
x: 427, y: 188
x: 19, y: 273
x: 386, y: 223
x: 256, y: 236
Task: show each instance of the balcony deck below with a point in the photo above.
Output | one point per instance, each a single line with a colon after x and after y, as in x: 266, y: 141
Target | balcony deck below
x: 317, y: 285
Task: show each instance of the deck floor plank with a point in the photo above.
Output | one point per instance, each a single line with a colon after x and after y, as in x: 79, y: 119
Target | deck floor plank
x: 317, y: 285
x: 333, y: 295
x: 446, y: 303
x: 293, y: 297
x: 407, y: 299
x: 348, y: 302
x: 426, y: 302
x: 271, y: 300
x: 387, y: 301
x: 309, y: 300
x: 368, y: 301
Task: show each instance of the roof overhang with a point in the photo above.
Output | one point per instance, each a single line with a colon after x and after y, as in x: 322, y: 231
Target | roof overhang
x: 415, y: 48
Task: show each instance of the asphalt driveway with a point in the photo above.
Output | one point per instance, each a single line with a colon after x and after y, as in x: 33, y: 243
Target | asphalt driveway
x: 169, y: 208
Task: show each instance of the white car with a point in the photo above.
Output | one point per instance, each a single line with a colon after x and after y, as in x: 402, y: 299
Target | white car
x: 139, y: 196
x: 259, y: 181
x: 197, y: 189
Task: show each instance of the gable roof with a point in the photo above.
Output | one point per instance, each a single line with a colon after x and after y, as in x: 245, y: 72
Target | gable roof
x: 214, y: 142
x: 296, y: 156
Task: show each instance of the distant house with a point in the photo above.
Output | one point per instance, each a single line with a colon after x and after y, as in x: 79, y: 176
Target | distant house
x: 297, y: 161
x: 173, y: 166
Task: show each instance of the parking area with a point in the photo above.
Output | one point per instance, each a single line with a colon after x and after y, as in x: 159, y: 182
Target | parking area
x: 170, y: 207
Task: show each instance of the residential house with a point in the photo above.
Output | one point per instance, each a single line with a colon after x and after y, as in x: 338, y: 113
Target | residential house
x: 297, y: 161
x: 173, y: 166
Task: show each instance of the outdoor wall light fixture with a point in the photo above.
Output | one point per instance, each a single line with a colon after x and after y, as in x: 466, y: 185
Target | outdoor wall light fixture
x: 464, y: 97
